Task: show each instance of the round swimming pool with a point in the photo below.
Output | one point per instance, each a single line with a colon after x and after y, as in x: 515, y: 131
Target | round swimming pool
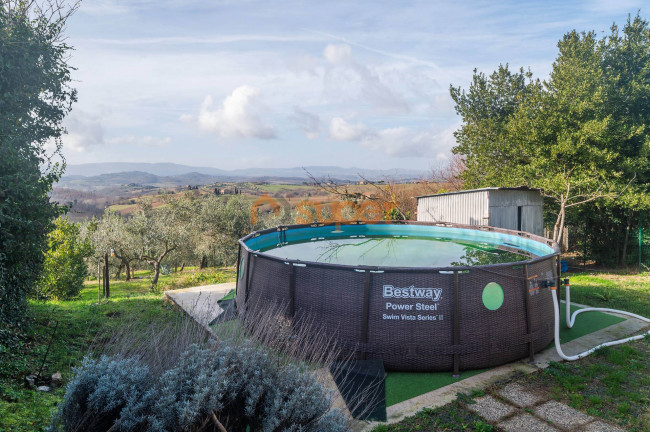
x: 419, y: 296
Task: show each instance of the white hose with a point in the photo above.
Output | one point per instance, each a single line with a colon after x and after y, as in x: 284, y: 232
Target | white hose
x: 570, y: 320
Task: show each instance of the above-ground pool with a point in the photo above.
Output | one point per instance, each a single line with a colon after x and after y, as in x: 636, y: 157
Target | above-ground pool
x: 419, y: 296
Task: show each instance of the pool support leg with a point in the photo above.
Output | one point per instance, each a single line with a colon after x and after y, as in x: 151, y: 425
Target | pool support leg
x: 365, y: 312
x: 456, y: 373
x: 529, y: 324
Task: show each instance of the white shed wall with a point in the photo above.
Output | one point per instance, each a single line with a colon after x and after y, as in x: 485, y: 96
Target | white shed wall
x: 503, y: 208
x: 468, y: 208
x: 493, y: 207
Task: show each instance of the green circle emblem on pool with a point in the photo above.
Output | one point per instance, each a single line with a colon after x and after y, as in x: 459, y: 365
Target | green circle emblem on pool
x: 493, y: 296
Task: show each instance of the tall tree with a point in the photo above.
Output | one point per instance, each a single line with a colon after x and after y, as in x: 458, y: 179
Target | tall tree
x: 568, y: 135
x: 484, y: 140
x: 35, y: 96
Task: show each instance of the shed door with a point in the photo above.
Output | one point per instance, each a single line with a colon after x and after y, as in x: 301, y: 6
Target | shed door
x: 532, y: 219
x: 504, y: 217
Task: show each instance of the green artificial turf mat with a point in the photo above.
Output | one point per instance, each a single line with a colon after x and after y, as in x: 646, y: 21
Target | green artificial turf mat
x: 586, y: 323
x: 401, y: 386
x: 229, y: 296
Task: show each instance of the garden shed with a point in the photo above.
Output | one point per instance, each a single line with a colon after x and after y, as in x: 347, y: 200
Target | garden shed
x: 518, y: 208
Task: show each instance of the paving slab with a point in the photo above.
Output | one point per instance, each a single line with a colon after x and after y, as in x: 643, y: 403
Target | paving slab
x: 601, y: 426
x: 518, y: 395
x: 526, y: 423
x: 491, y: 409
x: 201, y: 302
x: 562, y: 415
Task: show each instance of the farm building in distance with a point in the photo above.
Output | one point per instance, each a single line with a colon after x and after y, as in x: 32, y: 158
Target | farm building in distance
x: 518, y: 209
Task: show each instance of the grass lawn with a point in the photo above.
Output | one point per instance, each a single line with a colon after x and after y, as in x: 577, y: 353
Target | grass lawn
x: 630, y: 293
x: 613, y: 383
x: 80, y: 321
x: 451, y: 417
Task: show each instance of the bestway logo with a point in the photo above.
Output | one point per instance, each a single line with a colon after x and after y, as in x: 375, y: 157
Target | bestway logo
x: 412, y: 293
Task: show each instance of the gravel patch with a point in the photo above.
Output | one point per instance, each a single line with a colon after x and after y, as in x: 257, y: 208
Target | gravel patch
x: 599, y: 426
x: 518, y: 395
x: 526, y: 423
x: 562, y: 415
x: 490, y: 408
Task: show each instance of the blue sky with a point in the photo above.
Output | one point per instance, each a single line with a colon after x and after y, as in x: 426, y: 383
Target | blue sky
x: 238, y: 84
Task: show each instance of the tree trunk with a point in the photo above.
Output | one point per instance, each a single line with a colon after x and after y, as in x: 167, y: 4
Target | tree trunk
x: 119, y: 271
x: 156, y: 274
x: 626, y: 239
x: 128, y: 270
x: 204, y: 262
x: 182, y: 267
x: 558, y: 229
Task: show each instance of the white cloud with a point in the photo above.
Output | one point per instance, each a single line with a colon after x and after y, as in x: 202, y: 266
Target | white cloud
x: 142, y: 141
x: 341, y: 130
x: 338, y: 53
x: 238, y: 117
x: 397, y: 141
x: 405, y: 142
x: 348, y: 79
x: 84, y: 131
x: 308, y: 122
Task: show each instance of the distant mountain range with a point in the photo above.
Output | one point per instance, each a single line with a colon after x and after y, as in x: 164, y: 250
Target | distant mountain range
x: 97, y: 175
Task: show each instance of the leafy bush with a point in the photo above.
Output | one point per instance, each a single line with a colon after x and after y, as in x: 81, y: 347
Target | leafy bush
x: 64, y: 268
x: 35, y: 96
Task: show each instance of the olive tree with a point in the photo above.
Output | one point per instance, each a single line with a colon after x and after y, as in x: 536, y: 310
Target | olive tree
x: 160, y: 231
x: 114, y: 233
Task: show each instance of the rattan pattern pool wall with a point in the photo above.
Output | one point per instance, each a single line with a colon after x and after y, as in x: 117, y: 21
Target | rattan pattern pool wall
x: 347, y: 302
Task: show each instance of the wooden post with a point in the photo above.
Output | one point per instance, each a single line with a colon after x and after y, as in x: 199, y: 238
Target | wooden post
x: 99, y: 282
x: 107, y: 281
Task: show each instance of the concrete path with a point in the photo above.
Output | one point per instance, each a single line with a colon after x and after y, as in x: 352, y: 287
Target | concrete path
x: 201, y: 302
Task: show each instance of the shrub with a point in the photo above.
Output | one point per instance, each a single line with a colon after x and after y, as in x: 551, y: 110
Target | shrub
x: 241, y: 386
x: 64, y: 267
x: 111, y: 390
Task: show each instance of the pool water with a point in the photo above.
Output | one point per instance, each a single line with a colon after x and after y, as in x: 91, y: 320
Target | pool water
x: 394, y: 251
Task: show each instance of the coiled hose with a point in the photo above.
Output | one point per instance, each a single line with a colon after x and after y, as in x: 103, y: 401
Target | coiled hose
x: 570, y: 320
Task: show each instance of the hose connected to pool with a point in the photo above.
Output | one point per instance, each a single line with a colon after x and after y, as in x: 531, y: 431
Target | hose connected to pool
x: 570, y: 320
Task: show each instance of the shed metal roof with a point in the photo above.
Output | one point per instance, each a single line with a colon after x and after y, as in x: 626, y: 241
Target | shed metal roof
x: 520, y: 188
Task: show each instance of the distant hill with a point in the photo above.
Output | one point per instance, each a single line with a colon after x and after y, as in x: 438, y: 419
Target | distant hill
x: 98, y: 175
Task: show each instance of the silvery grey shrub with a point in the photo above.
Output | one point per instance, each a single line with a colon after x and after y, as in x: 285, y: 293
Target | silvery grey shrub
x: 240, y: 385
x: 101, y: 390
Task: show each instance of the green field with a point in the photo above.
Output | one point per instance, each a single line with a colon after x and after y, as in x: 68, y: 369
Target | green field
x: 79, y: 324
x: 81, y: 320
